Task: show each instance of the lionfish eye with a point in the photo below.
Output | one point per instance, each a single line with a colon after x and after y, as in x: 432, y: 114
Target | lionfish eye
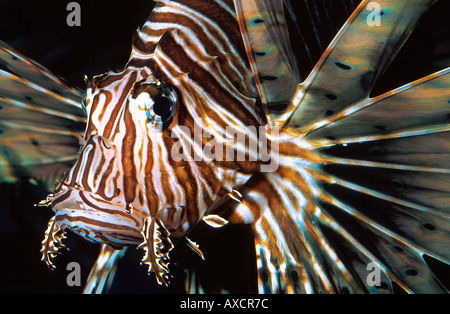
x: 159, y: 101
x: 163, y: 107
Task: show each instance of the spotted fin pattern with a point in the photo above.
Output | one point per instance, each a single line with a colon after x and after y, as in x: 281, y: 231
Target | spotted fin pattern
x: 418, y: 108
x: 372, y: 183
x: 354, y: 60
x: 403, y: 147
x: 266, y: 38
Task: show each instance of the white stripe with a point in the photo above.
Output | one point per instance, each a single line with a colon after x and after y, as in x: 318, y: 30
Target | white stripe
x: 246, y: 214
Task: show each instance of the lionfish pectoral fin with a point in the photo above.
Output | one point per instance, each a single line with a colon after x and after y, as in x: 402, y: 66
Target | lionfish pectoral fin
x: 156, y: 245
x: 103, y: 272
x: 415, y: 110
x: 376, y: 199
x: 194, y: 247
x: 267, y: 43
x: 294, y: 253
x: 359, y: 54
x: 370, y: 207
x: 274, y: 274
x: 41, y: 115
x: 52, y: 243
x: 390, y: 177
x: 378, y: 194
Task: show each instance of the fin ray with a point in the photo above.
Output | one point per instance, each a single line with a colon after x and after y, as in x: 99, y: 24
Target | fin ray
x: 40, y: 118
x: 358, y: 55
x: 418, y: 108
x: 266, y: 38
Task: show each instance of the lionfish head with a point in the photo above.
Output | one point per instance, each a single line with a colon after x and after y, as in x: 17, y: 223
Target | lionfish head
x: 158, y: 153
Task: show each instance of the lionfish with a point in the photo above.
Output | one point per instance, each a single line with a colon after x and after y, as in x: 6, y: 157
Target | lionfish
x: 330, y: 179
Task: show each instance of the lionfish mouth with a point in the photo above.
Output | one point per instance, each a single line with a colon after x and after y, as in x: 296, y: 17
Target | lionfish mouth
x: 81, y: 212
x: 76, y: 210
x: 111, y: 224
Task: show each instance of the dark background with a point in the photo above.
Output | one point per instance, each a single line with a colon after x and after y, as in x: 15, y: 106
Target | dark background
x: 38, y: 29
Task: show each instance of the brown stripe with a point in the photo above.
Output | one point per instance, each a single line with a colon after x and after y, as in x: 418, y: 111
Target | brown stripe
x: 108, y: 97
x: 99, y: 166
x: 106, y: 79
x: 94, y: 223
x: 128, y: 158
x: 88, y: 164
x: 142, y: 46
x: 120, y: 103
x: 165, y: 183
x: 61, y: 198
x: 186, y: 179
x: 152, y: 198
x: 138, y: 43
x: 108, y: 211
x: 101, y: 191
x: 90, y: 126
x: 125, y: 238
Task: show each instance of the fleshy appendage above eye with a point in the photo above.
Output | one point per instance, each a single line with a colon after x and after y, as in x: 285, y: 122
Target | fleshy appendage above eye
x: 159, y: 102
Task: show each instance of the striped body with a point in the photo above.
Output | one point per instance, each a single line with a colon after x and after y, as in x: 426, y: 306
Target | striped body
x: 125, y: 173
x: 160, y: 151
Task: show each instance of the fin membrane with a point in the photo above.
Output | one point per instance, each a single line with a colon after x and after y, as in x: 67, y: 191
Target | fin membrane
x: 40, y: 118
x: 266, y: 38
x: 351, y: 64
